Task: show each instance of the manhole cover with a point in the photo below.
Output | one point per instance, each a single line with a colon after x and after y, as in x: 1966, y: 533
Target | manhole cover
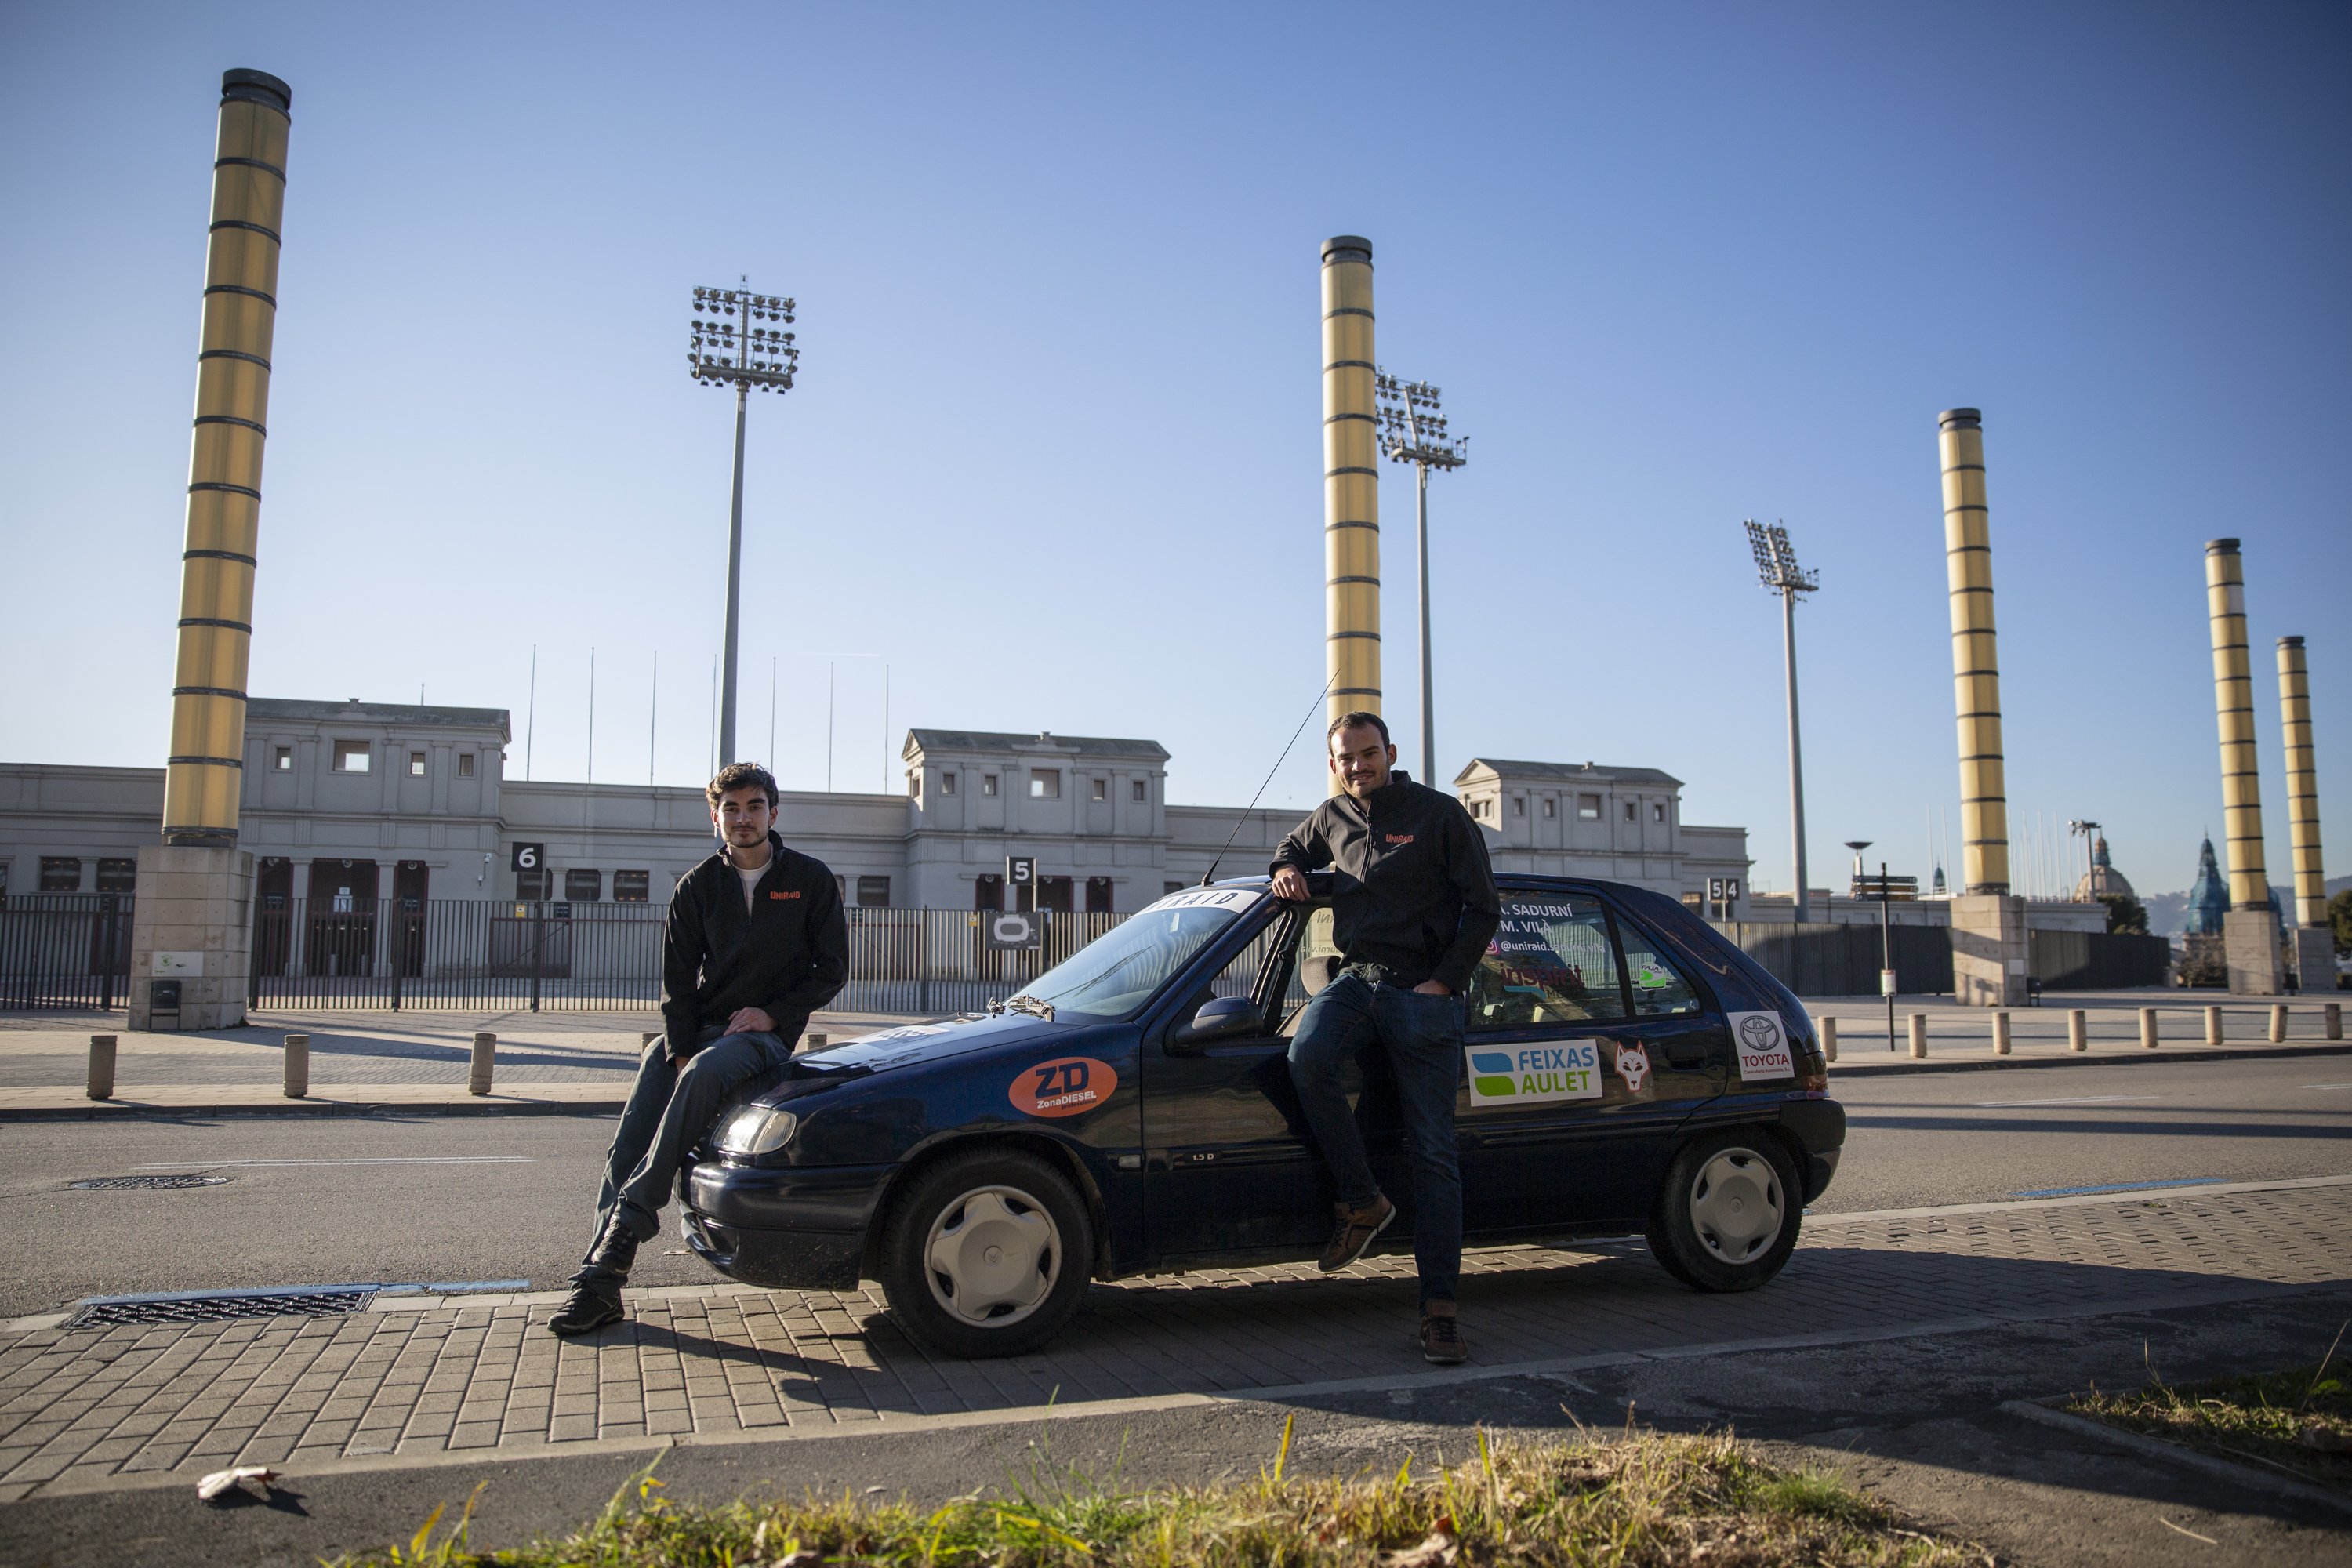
x: 110, y: 1183
x: 220, y: 1309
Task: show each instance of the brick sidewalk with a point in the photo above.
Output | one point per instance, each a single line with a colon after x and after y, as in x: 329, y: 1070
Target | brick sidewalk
x: 421, y: 1379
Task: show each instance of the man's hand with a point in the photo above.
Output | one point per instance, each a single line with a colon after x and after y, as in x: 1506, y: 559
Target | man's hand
x: 1434, y: 988
x: 750, y: 1021
x: 1290, y: 887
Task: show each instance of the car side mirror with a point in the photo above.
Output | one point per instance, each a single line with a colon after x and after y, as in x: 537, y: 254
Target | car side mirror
x: 1219, y: 1018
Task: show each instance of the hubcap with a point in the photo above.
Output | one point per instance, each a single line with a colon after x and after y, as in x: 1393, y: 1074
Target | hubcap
x: 1735, y: 1205
x: 993, y: 1256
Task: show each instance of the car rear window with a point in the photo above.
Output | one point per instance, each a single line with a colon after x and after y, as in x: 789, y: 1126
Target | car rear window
x: 1659, y: 989
x: 1551, y: 961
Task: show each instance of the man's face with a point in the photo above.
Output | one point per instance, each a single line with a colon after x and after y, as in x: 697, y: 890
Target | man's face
x: 1361, y: 759
x: 743, y: 816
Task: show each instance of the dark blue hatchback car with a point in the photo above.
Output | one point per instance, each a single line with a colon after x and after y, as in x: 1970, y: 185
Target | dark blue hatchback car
x: 1626, y: 1071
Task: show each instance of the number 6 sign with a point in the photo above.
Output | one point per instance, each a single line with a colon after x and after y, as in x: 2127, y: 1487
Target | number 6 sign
x: 529, y: 856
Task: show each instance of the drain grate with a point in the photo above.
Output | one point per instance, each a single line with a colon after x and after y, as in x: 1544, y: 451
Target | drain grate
x: 220, y: 1309
x: 113, y: 1184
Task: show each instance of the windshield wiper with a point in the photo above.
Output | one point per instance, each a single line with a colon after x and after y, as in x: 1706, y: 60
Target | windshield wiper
x: 1030, y: 1005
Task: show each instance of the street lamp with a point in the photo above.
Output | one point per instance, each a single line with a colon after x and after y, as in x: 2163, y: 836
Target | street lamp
x: 1885, y: 934
x: 731, y: 346
x: 1776, y: 566
x: 1413, y: 431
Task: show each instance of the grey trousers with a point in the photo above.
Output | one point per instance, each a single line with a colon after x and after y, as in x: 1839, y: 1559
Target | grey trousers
x: 669, y: 1109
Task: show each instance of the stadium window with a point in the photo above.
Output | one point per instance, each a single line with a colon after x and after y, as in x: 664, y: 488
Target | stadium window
x: 281, y: 758
x: 583, y: 886
x: 1632, y: 812
x: 1588, y: 808
x: 633, y: 886
x: 1167, y: 887
x: 416, y: 765
x: 1142, y: 790
x: 914, y: 784
x: 988, y: 783
x: 874, y: 893
x: 1102, y: 789
x: 536, y: 883
x: 352, y: 756
x: 1658, y: 813
x: 1518, y: 806
x: 946, y: 784
x: 117, y: 875
x: 60, y: 874
x: 464, y: 765
x: 1551, y: 806
x: 1045, y: 784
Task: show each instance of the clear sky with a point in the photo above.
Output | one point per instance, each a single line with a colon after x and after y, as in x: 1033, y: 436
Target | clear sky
x: 1055, y: 454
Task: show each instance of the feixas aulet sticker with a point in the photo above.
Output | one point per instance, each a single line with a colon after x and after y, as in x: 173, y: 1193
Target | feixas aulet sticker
x: 1067, y: 1085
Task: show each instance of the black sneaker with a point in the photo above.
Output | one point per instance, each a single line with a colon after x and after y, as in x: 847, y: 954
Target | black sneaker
x: 1440, y: 1340
x: 588, y: 1310
x: 1354, y: 1232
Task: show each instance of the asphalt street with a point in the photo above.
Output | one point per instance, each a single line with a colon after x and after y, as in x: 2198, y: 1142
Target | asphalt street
x: 442, y: 1200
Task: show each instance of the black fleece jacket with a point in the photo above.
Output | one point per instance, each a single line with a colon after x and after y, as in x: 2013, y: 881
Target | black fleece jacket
x: 1414, y: 892
x: 787, y: 958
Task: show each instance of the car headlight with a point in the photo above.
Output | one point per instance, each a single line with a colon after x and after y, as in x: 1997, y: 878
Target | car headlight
x: 756, y: 1130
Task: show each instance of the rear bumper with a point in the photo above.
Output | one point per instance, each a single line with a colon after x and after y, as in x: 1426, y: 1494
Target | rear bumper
x: 781, y: 1229
x: 1819, y: 1128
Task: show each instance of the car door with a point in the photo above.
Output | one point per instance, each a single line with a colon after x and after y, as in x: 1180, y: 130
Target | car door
x: 1573, y: 1093
x: 1228, y: 1170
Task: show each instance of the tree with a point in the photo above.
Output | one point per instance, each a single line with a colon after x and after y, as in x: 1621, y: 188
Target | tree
x: 2127, y: 913
x: 2339, y: 915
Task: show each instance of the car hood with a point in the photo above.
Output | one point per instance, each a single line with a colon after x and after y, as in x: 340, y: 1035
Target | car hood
x: 912, y: 1045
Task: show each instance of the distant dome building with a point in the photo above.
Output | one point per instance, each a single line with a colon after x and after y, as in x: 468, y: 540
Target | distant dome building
x: 2209, y: 895
x: 2104, y: 881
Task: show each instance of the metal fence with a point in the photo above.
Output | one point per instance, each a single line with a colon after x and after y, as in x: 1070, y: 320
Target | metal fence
x: 938, y: 962
x: 65, y: 950
x: 2097, y: 960
x: 1820, y: 959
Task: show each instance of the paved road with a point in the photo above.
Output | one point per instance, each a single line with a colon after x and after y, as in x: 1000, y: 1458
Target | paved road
x: 433, y: 1199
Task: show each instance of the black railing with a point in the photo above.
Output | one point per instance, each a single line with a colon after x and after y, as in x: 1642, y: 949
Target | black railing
x: 1825, y: 960
x: 2098, y: 960
x: 468, y: 954
x: 65, y: 950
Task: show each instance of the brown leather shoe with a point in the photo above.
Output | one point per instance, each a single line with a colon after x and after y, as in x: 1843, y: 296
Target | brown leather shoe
x: 1354, y: 1232
x: 1441, y: 1339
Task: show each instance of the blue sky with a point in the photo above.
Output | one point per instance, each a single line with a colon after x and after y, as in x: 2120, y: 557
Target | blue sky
x: 1055, y: 454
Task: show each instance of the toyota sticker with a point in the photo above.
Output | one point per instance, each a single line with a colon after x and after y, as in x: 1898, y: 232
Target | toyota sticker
x: 1762, y: 1045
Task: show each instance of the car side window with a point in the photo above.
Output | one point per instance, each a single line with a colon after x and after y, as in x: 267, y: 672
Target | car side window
x: 1551, y: 961
x: 1659, y: 989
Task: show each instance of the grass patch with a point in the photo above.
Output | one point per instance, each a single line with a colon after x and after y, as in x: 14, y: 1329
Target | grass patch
x: 2298, y: 1421
x: 1643, y: 1501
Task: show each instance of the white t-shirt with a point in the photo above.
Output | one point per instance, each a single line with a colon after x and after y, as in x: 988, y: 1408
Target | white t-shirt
x: 752, y: 883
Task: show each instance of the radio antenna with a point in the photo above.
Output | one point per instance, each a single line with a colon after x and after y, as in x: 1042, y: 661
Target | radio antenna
x: 1210, y: 875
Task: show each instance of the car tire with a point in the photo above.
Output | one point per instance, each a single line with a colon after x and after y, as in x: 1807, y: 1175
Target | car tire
x: 986, y: 1253
x: 1728, y: 1213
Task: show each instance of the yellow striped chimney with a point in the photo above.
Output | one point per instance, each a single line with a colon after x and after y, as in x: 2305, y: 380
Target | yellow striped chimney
x: 2233, y: 709
x: 1351, y: 501
x: 201, y: 784
x: 1976, y: 656
x: 2302, y: 784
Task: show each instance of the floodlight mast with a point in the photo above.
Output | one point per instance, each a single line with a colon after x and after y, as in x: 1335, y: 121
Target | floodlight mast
x: 1412, y: 430
x: 728, y: 350
x: 1777, y: 568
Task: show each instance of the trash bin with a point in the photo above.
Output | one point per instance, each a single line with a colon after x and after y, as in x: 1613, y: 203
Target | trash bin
x: 163, y: 1004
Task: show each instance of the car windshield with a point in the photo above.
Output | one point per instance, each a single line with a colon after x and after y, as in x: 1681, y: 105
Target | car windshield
x: 1116, y: 973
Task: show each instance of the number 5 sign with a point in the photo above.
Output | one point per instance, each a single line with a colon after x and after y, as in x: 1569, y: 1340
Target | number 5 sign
x: 529, y: 856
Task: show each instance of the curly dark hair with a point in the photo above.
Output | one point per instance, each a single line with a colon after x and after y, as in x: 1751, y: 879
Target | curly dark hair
x: 741, y: 775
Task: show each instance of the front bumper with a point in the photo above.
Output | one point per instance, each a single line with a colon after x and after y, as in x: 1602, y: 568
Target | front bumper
x: 781, y: 1228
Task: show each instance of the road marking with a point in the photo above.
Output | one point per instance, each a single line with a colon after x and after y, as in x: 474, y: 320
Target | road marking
x: 2121, y: 1187
x: 378, y: 1160
x: 2069, y: 1099
x: 2324, y: 1086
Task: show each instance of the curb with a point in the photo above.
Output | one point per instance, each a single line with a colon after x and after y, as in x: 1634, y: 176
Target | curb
x: 2040, y: 1410
x: 1901, y: 1066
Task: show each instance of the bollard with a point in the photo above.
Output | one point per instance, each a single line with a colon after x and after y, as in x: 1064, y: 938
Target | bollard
x: 2212, y: 1025
x: 485, y: 1050
x: 2147, y: 1028
x: 2078, y: 1030
x: 2278, y: 1023
x: 812, y: 1042
x: 1919, y: 1037
x: 101, y: 1066
x: 2000, y: 1033
x: 2336, y: 1020
x: 298, y: 1066
x: 648, y: 1038
x: 1829, y: 1039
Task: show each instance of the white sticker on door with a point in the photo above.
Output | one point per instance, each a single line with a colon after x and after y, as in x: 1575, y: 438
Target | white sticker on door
x: 1762, y: 1045
x: 1533, y: 1074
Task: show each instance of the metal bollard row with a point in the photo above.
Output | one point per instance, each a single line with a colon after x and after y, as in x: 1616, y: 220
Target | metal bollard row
x: 1919, y: 1037
x: 2000, y: 1033
x: 2147, y: 1028
x: 298, y: 1066
x: 2078, y: 1030
x: 2212, y: 1025
x: 101, y: 1066
x: 2278, y: 1023
x: 486, y: 1052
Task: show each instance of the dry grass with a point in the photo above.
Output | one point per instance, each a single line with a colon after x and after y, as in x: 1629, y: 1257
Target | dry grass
x: 1639, y: 1501
x: 2298, y: 1421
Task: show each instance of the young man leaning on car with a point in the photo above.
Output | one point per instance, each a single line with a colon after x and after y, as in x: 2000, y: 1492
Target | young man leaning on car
x: 1413, y: 906
x: 756, y: 944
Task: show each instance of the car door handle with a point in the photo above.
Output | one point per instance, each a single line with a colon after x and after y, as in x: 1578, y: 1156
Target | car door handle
x: 1686, y: 1058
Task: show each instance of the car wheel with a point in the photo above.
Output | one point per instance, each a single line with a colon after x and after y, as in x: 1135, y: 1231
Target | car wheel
x: 986, y: 1253
x: 1727, y: 1216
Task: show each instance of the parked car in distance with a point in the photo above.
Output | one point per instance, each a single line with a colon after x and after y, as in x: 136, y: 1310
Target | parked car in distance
x: 1626, y: 1071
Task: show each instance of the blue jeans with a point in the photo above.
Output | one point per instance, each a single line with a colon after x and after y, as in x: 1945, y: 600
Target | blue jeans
x: 1422, y: 1035
x: 670, y: 1107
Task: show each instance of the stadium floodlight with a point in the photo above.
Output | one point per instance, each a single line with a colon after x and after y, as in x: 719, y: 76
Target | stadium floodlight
x: 1777, y: 568
x: 1412, y: 430
x: 738, y: 340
